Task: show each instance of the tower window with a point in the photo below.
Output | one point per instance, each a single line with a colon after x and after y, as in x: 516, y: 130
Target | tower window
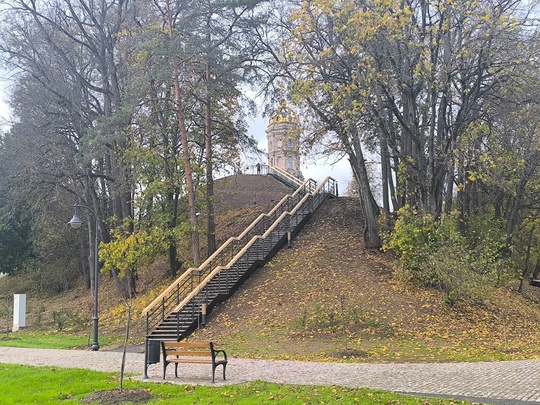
x: 290, y: 144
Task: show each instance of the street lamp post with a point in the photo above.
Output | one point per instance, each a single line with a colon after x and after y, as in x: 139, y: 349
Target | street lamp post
x: 76, y: 223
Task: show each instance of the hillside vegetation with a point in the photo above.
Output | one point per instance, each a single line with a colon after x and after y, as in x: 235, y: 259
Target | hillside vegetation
x: 327, y: 298
x: 324, y: 298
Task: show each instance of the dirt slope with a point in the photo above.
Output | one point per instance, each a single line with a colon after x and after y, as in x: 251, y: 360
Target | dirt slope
x: 327, y: 298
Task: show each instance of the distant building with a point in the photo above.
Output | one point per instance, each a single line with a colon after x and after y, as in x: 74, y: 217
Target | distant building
x: 283, y: 135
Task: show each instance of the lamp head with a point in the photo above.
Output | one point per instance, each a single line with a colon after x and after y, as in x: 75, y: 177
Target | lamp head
x: 75, y: 222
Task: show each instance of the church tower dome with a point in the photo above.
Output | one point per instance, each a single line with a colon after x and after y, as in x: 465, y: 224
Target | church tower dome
x: 283, y: 135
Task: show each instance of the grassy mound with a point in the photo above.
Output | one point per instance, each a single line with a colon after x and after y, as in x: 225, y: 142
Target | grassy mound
x: 325, y: 298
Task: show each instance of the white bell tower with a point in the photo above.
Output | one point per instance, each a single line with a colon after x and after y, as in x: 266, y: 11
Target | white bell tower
x: 283, y: 135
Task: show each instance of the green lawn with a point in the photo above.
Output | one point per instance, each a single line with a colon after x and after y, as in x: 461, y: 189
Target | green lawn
x: 47, y: 340
x: 50, y: 385
x: 36, y: 385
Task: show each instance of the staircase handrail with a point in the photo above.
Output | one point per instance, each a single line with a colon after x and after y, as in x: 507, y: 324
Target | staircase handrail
x: 285, y: 174
x: 307, y: 185
x: 213, y: 273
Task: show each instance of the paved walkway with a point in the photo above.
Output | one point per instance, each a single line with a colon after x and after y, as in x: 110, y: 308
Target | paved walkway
x: 508, y: 383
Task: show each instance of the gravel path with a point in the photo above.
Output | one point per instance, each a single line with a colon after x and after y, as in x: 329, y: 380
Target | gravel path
x: 508, y: 383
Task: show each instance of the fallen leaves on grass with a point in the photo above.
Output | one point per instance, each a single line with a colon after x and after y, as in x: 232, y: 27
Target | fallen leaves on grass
x: 290, y: 308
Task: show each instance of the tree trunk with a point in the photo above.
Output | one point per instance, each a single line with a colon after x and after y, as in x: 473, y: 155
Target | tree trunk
x: 449, y: 190
x: 185, y: 151
x: 528, y: 172
x: 385, y: 177
x: 525, y: 272
x: 369, y: 206
x: 211, y: 224
x: 536, y: 272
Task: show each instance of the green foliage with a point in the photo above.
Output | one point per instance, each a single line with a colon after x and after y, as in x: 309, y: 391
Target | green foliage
x: 39, y: 315
x: 464, y: 268
x: 486, y: 242
x: 6, y: 310
x: 65, y: 319
x: 53, y: 278
x: 60, y: 318
x: 415, y: 236
x: 452, y: 270
x: 128, y: 250
x: 15, y: 244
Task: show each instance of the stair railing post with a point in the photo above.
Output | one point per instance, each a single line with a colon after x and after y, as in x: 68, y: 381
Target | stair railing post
x: 222, y: 281
x: 289, y: 237
x: 203, y: 314
x: 224, y: 278
x: 163, y: 308
x: 145, y: 374
x: 178, y: 326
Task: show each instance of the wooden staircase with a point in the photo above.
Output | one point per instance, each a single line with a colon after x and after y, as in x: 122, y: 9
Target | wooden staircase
x: 183, y: 306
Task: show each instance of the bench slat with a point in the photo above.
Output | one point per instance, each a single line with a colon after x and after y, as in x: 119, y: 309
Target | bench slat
x: 187, y: 344
x: 188, y: 353
x: 194, y: 361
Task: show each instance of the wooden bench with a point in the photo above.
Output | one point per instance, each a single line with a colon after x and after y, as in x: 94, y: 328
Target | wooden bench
x: 192, y: 352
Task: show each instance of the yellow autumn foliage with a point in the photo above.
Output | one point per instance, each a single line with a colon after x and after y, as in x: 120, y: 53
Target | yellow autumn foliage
x: 129, y: 251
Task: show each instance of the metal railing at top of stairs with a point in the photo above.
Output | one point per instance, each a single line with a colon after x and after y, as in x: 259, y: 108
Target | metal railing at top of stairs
x: 191, y: 282
x: 283, y: 175
x: 276, y: 171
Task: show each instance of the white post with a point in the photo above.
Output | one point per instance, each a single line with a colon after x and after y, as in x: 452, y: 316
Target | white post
x: 19, y: 311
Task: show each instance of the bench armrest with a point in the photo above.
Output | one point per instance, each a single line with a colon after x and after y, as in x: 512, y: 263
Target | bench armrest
x: 216, y: 352
x: 162, y: 344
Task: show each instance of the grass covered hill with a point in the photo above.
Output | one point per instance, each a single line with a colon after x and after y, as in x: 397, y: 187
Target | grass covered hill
x: 325, y: 298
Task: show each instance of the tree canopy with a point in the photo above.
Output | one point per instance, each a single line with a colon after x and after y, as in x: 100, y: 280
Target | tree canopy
x: 132, y: 107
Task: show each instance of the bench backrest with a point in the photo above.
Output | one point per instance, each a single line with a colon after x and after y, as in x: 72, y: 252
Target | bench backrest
x: 183, y: 349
